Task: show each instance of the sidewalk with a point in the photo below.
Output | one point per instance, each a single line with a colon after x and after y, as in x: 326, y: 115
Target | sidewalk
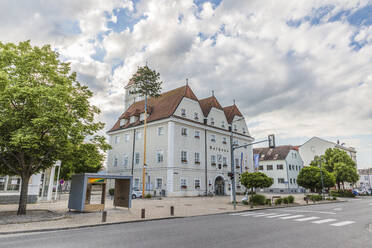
x: 155, y: 209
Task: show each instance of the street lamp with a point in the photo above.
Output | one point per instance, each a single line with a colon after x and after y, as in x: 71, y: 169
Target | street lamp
x: 321, y: 175
x: 233, y: 147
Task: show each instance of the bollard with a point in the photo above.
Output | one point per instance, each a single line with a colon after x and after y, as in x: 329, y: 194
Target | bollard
x: 142, y: 213
x: 172, y: 210
x: 104, y: 216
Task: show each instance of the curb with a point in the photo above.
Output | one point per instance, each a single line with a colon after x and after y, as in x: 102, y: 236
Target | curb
x: 164, y: 218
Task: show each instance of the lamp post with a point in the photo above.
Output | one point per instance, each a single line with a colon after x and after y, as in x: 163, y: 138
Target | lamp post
x: 144, y: 149
x: 321, y: 175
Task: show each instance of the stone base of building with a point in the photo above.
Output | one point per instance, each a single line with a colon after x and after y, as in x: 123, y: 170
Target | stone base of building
x: 14, y: 199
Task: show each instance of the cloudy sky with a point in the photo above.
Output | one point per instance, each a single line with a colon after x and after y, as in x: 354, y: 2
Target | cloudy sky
x: 296, y: 68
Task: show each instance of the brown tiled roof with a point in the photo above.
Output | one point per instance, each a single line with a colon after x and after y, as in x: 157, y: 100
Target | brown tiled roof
x: 159, y: 108
x: 230, y: 112
x: 277, y: 153
x: 206, y: 104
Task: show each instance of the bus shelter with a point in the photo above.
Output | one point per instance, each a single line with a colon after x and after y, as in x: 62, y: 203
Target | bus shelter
x: 83, y: 185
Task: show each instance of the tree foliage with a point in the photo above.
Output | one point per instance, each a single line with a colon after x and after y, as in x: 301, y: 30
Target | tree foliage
x: 85, y: 158
x: 333, y: 156
x: 345, y: 173
x: 255, y: 180
x: 311, y: 178
x: 146, y: 82
x: 43, y: 111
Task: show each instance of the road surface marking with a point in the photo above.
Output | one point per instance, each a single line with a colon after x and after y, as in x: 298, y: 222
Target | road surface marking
x: 323, y: 221
x: 308, y: 211
x: 291, y: 217
x: 308, y: 218
x: 261, y: 215
x: 370, y: 204
x: 248, y: 214
x: 278, y: 215
x: 337, y: 209
x: 343, y: 223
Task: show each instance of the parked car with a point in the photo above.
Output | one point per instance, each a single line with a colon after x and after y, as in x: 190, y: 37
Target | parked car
x: 136, y: 194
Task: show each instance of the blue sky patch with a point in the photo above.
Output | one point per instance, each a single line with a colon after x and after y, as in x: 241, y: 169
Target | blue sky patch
x: 125, y: 20
x: 68, y: 27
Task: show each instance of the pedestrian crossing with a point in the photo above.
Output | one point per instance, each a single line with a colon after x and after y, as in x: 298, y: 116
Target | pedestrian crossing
x: 295, y: 217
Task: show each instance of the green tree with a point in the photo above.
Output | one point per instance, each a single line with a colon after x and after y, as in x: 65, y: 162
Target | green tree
x: 311, y: 178
x: 255, y: 180
x: 43, y: 111
x: 146, y: 82
x: 85, y: 158
x: 333, y: 156
x: 345, y: 173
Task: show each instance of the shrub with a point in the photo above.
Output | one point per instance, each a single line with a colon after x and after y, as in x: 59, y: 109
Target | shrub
x: 245, y: 202
x: 268, y: 202
x: 342, y: 193
x: 148, y: 196
x: 290, y: 199
x: 278, y: 201
x: 315, y: 198
x: 285, y: 200
x: 334, y: 198
x: 111, y: 191
x: 258, y: 199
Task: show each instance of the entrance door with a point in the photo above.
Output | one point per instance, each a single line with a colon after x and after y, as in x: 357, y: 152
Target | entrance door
x: 219, y: 186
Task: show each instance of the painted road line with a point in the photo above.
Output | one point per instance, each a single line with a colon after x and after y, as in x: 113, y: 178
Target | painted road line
x: 291, y: 217
x: 307, y: 218
x: 261, y: 215
x: 343, y: 223
x: 278, y: 215
x: 248, y: 214
x: 323, y: 221
x: 308, y: 211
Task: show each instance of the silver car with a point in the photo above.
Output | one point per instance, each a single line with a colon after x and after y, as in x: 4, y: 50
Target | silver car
x: 136, y: 194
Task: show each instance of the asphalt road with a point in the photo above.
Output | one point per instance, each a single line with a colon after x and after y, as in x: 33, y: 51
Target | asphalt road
x: 330, y: 225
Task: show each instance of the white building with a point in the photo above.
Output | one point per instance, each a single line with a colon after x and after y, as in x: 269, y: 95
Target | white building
x: 365, y: 179
x: 188, y: 143
x: 317, y: 147
x: 282, y: 164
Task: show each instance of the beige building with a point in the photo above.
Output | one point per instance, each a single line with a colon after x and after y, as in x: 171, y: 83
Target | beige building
x: 188, y: 143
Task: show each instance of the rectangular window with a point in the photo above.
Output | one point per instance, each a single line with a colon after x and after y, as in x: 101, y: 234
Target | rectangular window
x: 136, y: 184
x: 290, y: 180
x: 290, y: 167
x: 236, y: 162
x: 183, y: 184
x: 138, y: 135
x: 279, y: 167
x: 159, y: 156
x: 125, y: 160
x: 117, y: 139
x: 197, y: 184
x: 137, y: 158
x: 224, y: 160
x: 184, y: 131
x: 269, y: 167
x: 160, y: 131
x: 212, y: 121
x: 197, y: 134
x: 223, y: 124
x: 224, y: 140
x: 213, y: 160
x: 159, y: 183
x: 197, y: 158
x: 115, y: 161
x: 280, y: 180
x: 213, y: 138
x: 183, y: 156
x: 235, y: 128
x: 294, y: 180
x: 260, y: 167
x: 2, y: 183
x: 14, y: 183
x: 183, y: 112
x: 196, y: 116
x: 127, y: 137
x: 243, y: 130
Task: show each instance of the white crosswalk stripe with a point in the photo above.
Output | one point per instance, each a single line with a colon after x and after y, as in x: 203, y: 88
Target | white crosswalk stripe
x: 277, y: 215
x: 291, y: 217
x: 307, y: 218
x: 343, y: 223
x: 261, y: 215
x: 248, y: 214
x: 323, y: 221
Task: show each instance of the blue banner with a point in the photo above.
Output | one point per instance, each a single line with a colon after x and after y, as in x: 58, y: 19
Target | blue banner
x: 256, y: 158
x: 241, y: 163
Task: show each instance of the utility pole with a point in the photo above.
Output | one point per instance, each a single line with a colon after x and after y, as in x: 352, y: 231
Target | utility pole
x: 232, y: 169
x: 321, y: 176
x: 144, y: 150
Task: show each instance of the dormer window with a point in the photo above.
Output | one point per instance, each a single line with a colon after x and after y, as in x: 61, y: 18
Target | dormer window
x: 122, y: 122
x: 133, y: 119
x: 212, y: 121
x: 223, y: 124
x: 183, y: 112
x: 196, y: 117
x: 244, y: 130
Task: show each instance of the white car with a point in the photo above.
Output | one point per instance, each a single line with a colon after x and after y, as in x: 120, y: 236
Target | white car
x: 136, y: 194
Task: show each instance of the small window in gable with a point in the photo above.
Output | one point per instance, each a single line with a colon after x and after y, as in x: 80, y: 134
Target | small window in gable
x: 212, y: 121
x: 196, y: 116
x: 223, y: 124
x: 183, y: 112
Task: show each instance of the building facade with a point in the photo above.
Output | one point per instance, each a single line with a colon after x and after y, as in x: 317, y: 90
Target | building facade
x: 282, y: 164
x: 317, y: 147
x: 365, y: 179
x: 188, y: 144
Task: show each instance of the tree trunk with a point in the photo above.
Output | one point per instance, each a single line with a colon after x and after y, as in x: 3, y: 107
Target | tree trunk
x: 24, y: 194
x: 338, y: 186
